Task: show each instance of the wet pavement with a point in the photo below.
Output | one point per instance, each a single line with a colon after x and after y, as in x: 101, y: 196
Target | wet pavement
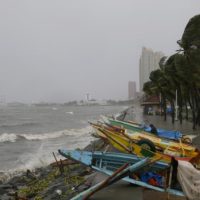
x: 158, y: 121
x: 118, y: 191
x: 185, y: 128
x: 123, y: 190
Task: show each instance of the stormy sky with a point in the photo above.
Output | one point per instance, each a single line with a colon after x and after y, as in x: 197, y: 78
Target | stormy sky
x: 59, y: 50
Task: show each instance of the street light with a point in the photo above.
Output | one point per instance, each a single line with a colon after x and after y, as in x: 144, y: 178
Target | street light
x: 176, y: 107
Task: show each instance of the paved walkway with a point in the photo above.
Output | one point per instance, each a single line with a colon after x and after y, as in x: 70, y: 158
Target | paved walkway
x: 118, y: 191
x: 158, y: 121
x: 185, y: 127
x: 122, y: 190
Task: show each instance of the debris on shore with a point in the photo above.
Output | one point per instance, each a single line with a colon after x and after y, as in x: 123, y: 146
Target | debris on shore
x: 62, y: 179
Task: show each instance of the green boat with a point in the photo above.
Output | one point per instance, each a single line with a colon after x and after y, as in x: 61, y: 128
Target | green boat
x: 136, y: 127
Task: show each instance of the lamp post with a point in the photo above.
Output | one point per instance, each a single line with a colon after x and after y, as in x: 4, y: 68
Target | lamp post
x: 160, y: 98
x: 176, y: 107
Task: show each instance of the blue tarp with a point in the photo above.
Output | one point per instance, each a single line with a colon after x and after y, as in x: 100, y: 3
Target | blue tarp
x: 148, y: 176
x: 175, y: 135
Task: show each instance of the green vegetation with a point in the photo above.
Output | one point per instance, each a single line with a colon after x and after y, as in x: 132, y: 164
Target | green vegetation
x: 38, y: 187
x: 181, y: 73
x: 34, y: 187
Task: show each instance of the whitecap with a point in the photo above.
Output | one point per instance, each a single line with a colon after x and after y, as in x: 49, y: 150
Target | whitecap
x: 12, y: 137
x: 70, y: 112
x: 8, y: 137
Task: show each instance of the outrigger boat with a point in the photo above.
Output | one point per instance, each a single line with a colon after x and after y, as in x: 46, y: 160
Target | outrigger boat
x: 116, y: 135
x: 137, y: 127
x: 109, y: 163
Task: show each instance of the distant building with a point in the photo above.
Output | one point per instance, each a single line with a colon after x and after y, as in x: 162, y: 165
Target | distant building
x: 151, y: 105
x: 149, y: 61
x: 132, y: 90
x: 91, y: 101
x: 87, y: 97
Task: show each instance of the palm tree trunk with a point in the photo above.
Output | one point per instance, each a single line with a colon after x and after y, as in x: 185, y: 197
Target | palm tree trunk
x: 180, y: 103
x: 186, y: 111
x: 164, y: 106
x: 193, y: 110
x: 173, y: 111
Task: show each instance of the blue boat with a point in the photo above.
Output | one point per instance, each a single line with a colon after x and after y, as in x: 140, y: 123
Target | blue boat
x: 120, y: 173
x: 121, y: 117
x: 169, y: 134
x: 162, y: 133
x: 108, y: 162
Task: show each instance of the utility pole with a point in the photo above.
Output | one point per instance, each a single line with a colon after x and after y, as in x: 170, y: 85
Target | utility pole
x: 176, y: 107
x: 160, y: 99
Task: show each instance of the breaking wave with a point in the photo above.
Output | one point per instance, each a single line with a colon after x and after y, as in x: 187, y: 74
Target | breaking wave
x: 42, y: 156
x: 8, y: 137
x: 13, y: 137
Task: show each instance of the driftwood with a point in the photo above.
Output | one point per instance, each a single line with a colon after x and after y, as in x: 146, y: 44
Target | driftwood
x: 63, y: 162
x: 60, y: 166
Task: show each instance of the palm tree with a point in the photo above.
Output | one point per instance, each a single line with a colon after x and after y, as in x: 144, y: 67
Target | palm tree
x: 180, y: 72
x: 190, y: 44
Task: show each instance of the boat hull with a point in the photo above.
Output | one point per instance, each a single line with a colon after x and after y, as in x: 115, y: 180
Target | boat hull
x: 168, y: 146
x: 109, y: 162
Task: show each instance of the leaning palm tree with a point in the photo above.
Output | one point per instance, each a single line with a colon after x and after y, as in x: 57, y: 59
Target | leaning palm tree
x: 181, y: 72
x: 190, y: 44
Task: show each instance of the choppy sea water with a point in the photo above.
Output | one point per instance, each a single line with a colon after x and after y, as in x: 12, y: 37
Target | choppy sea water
x: 29, y: 134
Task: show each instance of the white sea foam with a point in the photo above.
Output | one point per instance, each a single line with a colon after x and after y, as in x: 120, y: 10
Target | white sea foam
x: 70, y: 112
x: 42, y: 156
x: 8, y: 137
x: 13, y: 137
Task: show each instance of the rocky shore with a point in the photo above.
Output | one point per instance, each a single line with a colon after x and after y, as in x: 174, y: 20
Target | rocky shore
x: 55, y: 181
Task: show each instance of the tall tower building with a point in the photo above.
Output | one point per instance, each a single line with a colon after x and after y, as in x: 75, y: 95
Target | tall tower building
x: 149, y: 61
x: 131, y: 90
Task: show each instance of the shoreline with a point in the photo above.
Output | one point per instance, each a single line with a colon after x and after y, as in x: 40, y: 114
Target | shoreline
x: 49, y: 183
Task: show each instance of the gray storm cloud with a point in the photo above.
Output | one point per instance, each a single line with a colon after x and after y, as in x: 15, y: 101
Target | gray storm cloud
x: 60, y: 50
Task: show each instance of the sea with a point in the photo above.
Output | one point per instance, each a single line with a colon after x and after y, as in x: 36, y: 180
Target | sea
x: 30, y: 133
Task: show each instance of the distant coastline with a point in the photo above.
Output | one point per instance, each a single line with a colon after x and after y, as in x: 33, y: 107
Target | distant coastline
x: 88, y: 103
x: 76, y: 103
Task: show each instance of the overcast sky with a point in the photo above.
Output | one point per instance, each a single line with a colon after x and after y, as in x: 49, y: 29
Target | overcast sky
x: 60, y: 50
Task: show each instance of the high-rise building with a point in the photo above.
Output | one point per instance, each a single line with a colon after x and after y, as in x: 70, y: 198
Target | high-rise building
x: 149, y: 61
x: 131, y: 90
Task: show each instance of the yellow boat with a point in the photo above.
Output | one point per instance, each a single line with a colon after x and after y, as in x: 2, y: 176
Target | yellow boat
x: 123, y: 144
x: 162, y: 144
x: 150, y: 142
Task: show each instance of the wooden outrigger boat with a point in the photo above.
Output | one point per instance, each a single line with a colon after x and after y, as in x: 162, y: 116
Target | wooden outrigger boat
x: 109, y: 163
x: 125, y: 145
x: 148, y: 141
x: 136, y: 127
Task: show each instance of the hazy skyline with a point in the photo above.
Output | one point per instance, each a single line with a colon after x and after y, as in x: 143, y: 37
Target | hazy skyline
x: 60, y: 50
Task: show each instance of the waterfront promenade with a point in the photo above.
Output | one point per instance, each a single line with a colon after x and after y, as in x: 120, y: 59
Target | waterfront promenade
x: 184, y: 128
